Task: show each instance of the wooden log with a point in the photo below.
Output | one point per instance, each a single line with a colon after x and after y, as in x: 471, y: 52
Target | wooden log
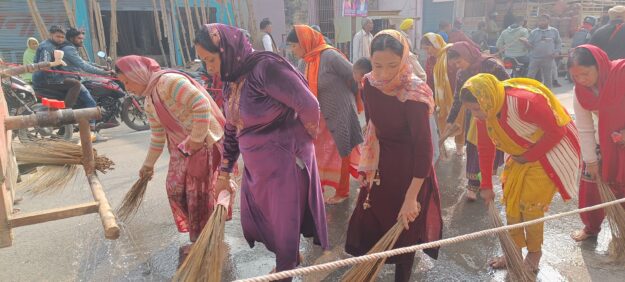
x: 51, y: 118
x: 111, y: 229
x: 53, y: 214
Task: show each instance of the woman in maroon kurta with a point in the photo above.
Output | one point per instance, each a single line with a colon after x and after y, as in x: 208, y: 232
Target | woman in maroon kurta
x: 399, y: 105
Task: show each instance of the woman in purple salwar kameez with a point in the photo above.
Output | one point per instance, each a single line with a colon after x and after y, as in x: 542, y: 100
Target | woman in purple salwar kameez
x: 272, y: 118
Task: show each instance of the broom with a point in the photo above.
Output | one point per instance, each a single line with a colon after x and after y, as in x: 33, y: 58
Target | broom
x: 132, y: 200
x: 616, y: 219
x: 56, y: 152
x: 59, y: 161
x: 368, y: 271
x: 207, y: 255
x: 514, y: 260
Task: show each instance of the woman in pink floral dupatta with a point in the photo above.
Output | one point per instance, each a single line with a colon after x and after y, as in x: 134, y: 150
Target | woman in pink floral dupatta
x: 182, y: 113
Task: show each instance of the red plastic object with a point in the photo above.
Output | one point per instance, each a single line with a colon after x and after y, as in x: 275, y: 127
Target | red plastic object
x: 53, y: 104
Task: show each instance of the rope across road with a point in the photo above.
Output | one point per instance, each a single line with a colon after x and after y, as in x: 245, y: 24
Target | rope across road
x: 444, y: 242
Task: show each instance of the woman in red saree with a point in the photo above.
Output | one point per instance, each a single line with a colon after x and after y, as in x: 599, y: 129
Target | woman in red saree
x: 183, y: 116
x: 599, y: 95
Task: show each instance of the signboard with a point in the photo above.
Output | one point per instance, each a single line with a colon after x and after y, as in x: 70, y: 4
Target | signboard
x: 355, y: 8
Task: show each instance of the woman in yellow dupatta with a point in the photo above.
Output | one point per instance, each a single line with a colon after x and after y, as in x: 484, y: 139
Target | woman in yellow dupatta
x: 522, y: 118
x: 330, y: 79
x: 441, y: 77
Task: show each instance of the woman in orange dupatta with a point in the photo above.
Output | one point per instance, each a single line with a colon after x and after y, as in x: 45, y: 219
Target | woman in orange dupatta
x: 330, y: 79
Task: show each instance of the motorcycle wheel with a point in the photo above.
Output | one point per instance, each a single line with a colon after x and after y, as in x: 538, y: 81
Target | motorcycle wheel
x: 133, y: 117
x: 66, y: 132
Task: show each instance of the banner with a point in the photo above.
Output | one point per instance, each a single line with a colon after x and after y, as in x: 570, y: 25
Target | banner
x: 355, y: 8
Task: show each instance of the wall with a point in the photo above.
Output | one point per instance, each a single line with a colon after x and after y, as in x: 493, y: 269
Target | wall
x: 274, y: 10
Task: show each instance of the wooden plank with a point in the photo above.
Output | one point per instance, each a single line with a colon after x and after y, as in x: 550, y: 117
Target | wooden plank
x: 6, y: 197
x: 53, y: 214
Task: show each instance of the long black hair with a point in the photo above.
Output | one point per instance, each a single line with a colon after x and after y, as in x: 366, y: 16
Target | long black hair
x: 385, y: 41
x: 292, y: 37
x: 203, y: 38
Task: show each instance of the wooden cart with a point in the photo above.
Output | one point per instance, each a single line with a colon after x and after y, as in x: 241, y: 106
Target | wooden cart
x: 99, y: 205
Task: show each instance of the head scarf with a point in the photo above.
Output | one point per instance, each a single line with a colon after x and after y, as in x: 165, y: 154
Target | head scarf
x: 406, y: 24
x: 443, y: 92
x: 617, y: 13
x: 491, y: 95
x: 610, y: 104
x: 146, y: 71
x: 234, y: 49
x: 404, y: 86
x: 313, y: 44
x: 471, y: 54
x: 29, y: 58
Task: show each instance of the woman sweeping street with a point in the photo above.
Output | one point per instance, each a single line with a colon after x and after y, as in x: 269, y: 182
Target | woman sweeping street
x: 183, y: 116
x: 522, y: 118
x: 470, y: 61
x: 599, y: 97
x: 441, y: 77
x: 399, y: 105
x: 330, y: 79
x: 272, y: 119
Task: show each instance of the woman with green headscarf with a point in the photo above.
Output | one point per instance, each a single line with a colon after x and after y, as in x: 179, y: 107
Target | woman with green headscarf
x: 29, y: 56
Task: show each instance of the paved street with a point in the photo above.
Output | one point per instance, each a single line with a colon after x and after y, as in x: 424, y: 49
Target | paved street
x: 75, y: 250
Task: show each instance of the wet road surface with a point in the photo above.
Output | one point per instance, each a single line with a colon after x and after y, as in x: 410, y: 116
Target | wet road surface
x: 75, y: 249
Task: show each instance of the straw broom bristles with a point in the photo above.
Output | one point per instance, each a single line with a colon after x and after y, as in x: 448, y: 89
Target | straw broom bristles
x: 50, y: 178
x: 56, y: 152
x: 368, y: 271
x: 514, y: 260
x: 616, y: 219
x: 206, y: 258
x: 132, y: 200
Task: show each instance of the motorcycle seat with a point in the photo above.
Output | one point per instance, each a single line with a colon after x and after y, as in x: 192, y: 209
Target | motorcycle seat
x: 51, y: 94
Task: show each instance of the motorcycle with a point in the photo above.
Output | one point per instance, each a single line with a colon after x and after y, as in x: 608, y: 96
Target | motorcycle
x: 21, y: 100
x: 130, y: 108
x: 514, y: 67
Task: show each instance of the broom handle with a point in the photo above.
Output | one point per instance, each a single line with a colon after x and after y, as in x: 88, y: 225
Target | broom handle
x: 111, y: 229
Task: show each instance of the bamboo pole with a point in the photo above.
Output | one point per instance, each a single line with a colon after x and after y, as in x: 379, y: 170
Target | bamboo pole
x: 99, y: 26
x: 95, y: 44
x: 251, y: 19
x: 159, y: 36
x: 228, y: 12
x: 182, y: 39
x: 203, y: 8
x: 114, y: 34
x: 196, y: 6
x: 34, y: 12
x: 168, y: 33
x: 190, y: 25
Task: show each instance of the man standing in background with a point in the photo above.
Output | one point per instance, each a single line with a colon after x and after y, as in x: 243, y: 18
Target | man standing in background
x: 266, y: 42
x: 545, y: 44
x: 362, y: 40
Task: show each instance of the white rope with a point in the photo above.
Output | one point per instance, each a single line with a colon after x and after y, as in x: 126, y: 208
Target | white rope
x: 375, y: 256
